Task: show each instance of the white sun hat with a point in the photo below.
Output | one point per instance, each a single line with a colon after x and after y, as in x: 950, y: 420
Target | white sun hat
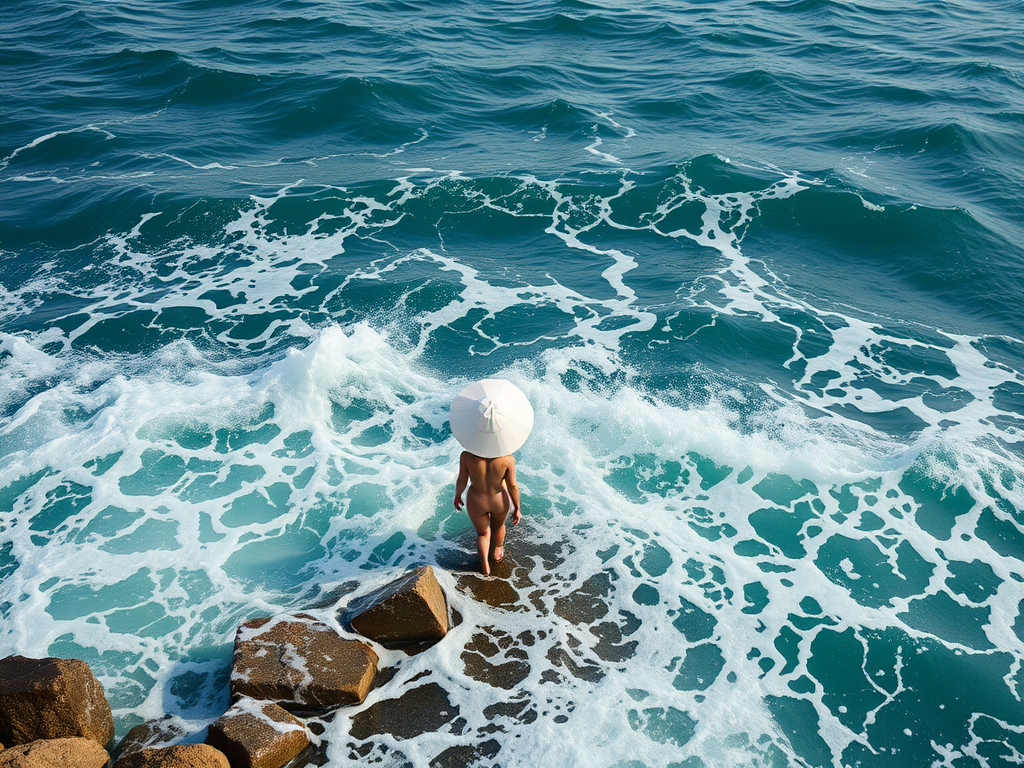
x: 491, y: 418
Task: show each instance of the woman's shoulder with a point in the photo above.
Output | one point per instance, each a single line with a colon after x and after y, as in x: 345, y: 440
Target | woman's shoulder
x: 497, y: 461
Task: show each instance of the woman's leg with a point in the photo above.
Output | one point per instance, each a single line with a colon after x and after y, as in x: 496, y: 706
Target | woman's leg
x: 498, y: 524
x: 482, y: 523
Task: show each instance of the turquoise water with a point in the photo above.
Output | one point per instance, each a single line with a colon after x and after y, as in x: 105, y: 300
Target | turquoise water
x: 757, y: 266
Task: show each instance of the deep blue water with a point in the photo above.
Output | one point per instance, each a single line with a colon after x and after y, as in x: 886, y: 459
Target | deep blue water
x: 758, y: 266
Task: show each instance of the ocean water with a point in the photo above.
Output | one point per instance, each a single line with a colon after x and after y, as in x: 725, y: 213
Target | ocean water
x: 757, y: 265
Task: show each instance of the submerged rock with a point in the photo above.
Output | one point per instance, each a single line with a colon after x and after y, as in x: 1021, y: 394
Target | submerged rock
x: 424, y: 709
x: 300, y: 663
x: 258, y: 734
x: 411, y: 609
x: 180, y: 756
x: 75, y: 752
x: 152, y: 733
x: 51, y: 699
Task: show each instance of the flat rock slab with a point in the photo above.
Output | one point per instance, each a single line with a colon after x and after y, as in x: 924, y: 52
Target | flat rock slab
x: 153, y: 733
x: 55, y: 753
x: 497, y: 591
x: 425, y: 709
x: 180, y: 756
x: 258, y: 734
x: 411, y: 609
x: 300, y: 663
x: 51, y: 699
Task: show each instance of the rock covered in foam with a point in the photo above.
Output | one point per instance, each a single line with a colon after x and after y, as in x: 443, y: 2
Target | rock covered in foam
x: 410, y: 609
x: 258, y: 734
x: 152, y: 733
x: 51, y: 699
x: 77, y: 752
x: 300, y: 663
x: 180, y: 756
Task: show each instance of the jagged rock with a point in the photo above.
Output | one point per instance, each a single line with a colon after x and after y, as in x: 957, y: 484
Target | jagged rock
x: 51, y: 699
x: 180, y: 756
x: 258, y: 734
x: 153, y: 733
x: 300, y: 663
x: 75, y: 752
x: 411, y: 609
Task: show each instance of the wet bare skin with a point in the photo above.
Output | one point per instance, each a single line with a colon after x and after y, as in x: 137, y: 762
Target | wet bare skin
x: 492, y: 490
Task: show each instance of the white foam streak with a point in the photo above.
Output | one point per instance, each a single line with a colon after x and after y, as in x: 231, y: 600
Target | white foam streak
x: 4, y: 162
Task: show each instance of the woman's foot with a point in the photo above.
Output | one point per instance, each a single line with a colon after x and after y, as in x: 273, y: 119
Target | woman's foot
x: 499, y: 554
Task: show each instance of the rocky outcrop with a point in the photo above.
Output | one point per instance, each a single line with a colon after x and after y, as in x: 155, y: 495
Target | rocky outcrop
x: 56, y: 714
x: 152, y: 733
x: 410, y: 610
x: 258, y: 734
x: 51, y: 699
x: 300, y: 663
x: 55, y: 753
x: 181, y: 756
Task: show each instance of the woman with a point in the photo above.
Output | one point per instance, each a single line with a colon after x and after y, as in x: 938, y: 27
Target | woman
x: 491, y: 419
x: 492, y: 493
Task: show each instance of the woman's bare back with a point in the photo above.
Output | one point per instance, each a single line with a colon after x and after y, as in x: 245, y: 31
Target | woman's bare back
x: 487, y: 494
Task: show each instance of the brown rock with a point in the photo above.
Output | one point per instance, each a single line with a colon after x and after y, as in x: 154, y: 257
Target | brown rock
x: 426, y: 709
x: 180, y: 756
x: 55, y: 753
x: 152, y: 733
x: 258, y: 734
x: 300, y: 663
x: 51, y: 699
x: 411, y: 609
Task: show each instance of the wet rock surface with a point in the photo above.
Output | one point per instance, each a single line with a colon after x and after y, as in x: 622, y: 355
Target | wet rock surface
x: 301, y: 663
x: 586, y: 604
x: 524, y: 583
x: 481, y: 654
x: 464, y: 755
x: 55, y: 753
x: 180, y: 756
x: 423, y: 709
x: 153, y: 733
x: 51, y: 698
x: 612, y: 645
x: 518, y: 582
x: 496, y: 592
x: 412, y: 609
x: 257, y: 734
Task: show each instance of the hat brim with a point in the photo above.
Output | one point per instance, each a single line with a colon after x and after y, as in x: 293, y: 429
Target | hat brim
x: 515, y: 407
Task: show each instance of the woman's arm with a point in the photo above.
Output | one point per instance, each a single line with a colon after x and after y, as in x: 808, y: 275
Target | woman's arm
x: 513, y: 490
x: 461, y: 481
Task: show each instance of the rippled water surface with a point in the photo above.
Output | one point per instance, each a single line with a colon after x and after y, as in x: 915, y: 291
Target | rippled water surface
x: 757, y: 265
